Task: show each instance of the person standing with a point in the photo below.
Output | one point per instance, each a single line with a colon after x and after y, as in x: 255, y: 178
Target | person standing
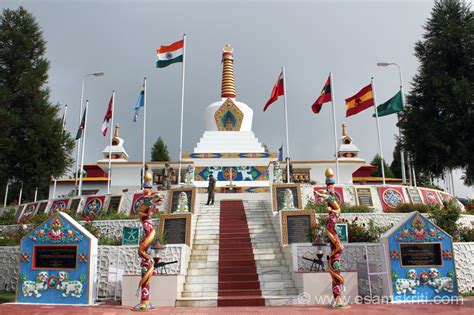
x: 211, y: 190
x: 167, y: 172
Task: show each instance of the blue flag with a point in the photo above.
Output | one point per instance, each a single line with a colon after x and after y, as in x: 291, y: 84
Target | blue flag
x: 280, y: 153
x: 140, y: 103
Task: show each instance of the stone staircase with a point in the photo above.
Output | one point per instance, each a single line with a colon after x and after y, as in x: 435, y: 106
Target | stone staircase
x: 276, y: 283
x: 201, y: 288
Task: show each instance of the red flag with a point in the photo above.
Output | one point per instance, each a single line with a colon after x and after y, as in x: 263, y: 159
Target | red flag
x: 107, y: 117
x: 324, y: 97
x: 278, y: 90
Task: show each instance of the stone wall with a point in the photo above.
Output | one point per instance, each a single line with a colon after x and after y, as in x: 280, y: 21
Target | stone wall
x: 9, y: 267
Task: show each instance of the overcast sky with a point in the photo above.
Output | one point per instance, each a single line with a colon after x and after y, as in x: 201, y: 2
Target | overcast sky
x: 309, y: 38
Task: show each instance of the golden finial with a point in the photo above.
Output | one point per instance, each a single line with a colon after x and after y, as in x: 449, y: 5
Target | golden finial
x: 329, y: 172
x: 148, y: 176
x: 345, y: 138
x: 228, y: 81
x: 344, y: 129
x: 117, y: 127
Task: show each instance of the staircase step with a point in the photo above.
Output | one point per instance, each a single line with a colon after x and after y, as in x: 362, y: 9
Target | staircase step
x: 239, y: 277
x: 239, y: 301
x: 238, y: 285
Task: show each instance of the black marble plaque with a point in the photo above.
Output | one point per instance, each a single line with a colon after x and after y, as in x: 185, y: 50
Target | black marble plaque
x: 114, y: 203
x: 42, y: 207
x: 280, y: 197
x: 75, y: 204
x: 414, y: 195
x: 364, y: 197
x: 299, y: 228
x: 55, y: 257
x: 175, y: 199
x: 421, y: 254
x: 175, y: 230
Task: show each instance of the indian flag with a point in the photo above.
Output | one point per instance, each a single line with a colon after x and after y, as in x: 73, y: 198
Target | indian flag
x: 167, y: 55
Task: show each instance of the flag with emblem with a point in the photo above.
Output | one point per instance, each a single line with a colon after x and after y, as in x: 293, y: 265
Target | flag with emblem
x: 360, y: 101
x: 324, y: 97
x: 167, y: 55
x: 278, y: 90
x: 82, y: 125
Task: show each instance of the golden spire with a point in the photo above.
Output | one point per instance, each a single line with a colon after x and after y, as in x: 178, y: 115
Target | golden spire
x: 345, y: 138
x: 344, y: 129
x: 228, y: 82
x: 116, y: 139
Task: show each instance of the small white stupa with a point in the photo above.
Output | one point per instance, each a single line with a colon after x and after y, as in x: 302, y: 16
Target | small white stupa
x: 347, y: 149
x: 117, y: 150
x: 228, y: 123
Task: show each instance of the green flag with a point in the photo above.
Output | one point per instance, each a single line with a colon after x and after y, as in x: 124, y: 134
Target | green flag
x: 81, y: 126
x: 392, y: 106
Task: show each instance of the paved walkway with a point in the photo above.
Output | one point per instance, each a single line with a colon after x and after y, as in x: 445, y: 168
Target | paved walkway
x: 409, y: 309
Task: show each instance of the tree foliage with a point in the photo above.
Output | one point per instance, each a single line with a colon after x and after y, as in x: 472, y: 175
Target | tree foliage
x: 378, y: 172
x: 33, y: 146
x: 159, y: 151
x: 438, y: 119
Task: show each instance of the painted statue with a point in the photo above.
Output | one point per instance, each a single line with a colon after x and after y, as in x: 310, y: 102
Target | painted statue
x: 190, y: 175
x: 410, y: 283
x: 277, y: 173
x: 288, y: 201
x: 30, y: 288
x: 167, y: 173
x: 183, y: 202
x: 334, y: 264
x: 440, y: 283
x: 69, y: 287
x: 151, y: 201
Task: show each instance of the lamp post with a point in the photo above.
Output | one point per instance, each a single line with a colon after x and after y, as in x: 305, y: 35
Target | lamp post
x: 402, y: 155
x: 78, y: 142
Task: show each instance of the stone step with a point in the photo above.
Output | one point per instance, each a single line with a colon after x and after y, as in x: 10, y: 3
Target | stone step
x: 277, y: 285
x: 215, y: 264
x: 261, y: 245
x: 206, y: 241
x: 281, y: 300
x: 273, y: 270
x: 203, y: 272
x: 197, y: 302
x: 236, y: 277
x: 265, y: 293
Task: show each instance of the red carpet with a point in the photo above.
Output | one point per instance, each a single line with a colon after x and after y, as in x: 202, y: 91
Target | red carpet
x: 238, y: 278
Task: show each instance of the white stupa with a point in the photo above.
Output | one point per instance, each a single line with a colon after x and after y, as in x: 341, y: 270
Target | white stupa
x: 117, y: 151
x: 228, y: 123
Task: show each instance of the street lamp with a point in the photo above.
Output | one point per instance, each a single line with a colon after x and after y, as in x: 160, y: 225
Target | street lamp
x: 78, y: 142
x: 402, y: 155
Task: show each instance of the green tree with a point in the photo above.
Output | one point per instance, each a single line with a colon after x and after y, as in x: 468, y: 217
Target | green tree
x: 438, y: 119
x: 378, y: 172
x: 159, y: 151
x: 33, y: 146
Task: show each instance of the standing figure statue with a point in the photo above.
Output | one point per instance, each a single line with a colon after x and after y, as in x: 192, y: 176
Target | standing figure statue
x: 277, y: 173
x: 150, y: 203
x: 190, y: 175
x: 167, y: 173
x: 334, y: 264
x: 288, y: 201
x: 183, y: 202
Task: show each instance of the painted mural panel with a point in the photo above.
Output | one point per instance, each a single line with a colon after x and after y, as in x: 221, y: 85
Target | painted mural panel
x: 56, y: 260
x: 391, y: 197
x: 421, y: 261
x: 93, y: 205
x: 430, y: 197
x: 238, y: 173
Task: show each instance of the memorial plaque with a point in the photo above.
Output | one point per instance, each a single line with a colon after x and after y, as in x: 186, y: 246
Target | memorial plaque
x: 175, y: 230
x: 114, y: 203
x: 54, y: 257
x: 421, y: 254
x: 299, y: 228
x: 75, y: 204
x: 364, y: 197
x: 42, y: 206
x: 279, y: 196
x: 414, y: 195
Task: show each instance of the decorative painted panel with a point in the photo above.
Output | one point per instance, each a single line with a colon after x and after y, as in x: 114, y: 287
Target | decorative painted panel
x: 229, y: 155
x: 228, y: 117
x: 239, y: 173
x: 391, y: 197
x: 421, y: 261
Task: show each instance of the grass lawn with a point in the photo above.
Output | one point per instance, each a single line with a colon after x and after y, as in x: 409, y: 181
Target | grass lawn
x: 7, y: 297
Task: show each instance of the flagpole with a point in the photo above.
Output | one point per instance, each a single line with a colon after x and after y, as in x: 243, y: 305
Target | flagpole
x: 83, y: 147
x: 182, y: 109
x: 109, y: 183
x: 144, y: 130
x: 79, y: 141
x: 62, y: 132
x: 378, y: 131
x: 286, y: 125
x: 64, y: 116
x: 335, y: 127
x: 6, y: 194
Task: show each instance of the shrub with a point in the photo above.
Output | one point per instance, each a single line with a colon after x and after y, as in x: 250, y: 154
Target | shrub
x: 111, y: 241
x: 446, y: 218
x: 316, y: 207
x: 356, y: 209
x: 8, y: 217
x: 365, y: 233
x: 410, y: 207
x: 466, y: 234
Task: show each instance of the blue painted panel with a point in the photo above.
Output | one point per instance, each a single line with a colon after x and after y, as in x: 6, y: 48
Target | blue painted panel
x: 53, y: 285
x: 423, y: 283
